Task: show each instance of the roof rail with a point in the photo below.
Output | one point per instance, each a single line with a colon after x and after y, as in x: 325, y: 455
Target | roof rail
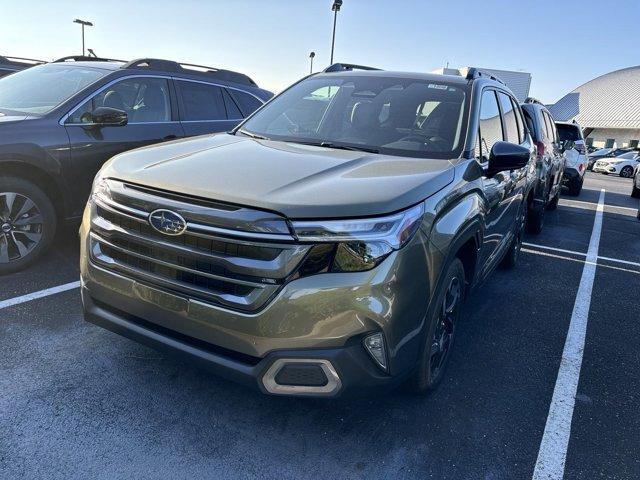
x: 171, y: 66
x: 85, y: 58
x: 20, y: 61
x: 533, y: 100
x: 346, y: 67
x: 474, y: 73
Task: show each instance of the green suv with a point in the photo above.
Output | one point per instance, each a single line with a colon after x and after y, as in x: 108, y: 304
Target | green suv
x: 325, y: 245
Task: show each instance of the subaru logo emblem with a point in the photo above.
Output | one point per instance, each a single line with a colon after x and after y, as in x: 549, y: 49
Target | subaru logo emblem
x: 167, y: 222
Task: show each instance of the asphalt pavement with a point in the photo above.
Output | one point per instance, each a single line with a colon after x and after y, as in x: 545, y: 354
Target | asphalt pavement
x: 77, y: 401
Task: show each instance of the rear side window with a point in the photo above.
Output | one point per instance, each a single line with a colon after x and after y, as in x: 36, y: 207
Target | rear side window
x: 490, y: 124
x: 233, y: 112
x: 509, y: 116
x: 201, y: 101
x: 247, y: 103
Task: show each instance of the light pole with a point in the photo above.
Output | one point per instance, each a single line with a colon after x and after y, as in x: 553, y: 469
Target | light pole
x: 311, y: 56
x: 84, y: 23
x: 335, y: 8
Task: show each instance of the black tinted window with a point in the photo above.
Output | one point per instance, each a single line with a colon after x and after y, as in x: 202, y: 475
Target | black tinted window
x: 232, y: 109
x: 568, y: 132
x: 202, y: 101
x: 519, y: 120
x: 549, y: 126
x: 509, y: 116
x: 490, y: 124
x: 248, y: 103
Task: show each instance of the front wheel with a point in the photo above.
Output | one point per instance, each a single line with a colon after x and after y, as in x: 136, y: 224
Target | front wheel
x: 627, y: 172
x: 27, y: 223
x: 441, y: 329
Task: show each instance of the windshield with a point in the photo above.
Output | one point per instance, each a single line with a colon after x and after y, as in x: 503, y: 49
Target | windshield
x: 396, y: 116
x: 40, y: 89
x: 628, y: 155
x: 602, y: 151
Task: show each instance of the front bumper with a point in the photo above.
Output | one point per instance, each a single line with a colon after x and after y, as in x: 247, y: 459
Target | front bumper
x: 322, y: 317
x: 355, y: 370
x: 605, y: 169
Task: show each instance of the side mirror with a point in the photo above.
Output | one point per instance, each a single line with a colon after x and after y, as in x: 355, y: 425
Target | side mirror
x: 107, y: 116
x: 507, y: 156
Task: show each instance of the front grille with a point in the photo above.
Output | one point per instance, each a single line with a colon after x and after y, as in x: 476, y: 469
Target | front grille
x: 227, y: 267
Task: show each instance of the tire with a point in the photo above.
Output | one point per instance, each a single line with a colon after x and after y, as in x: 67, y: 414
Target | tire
x: 510, y: 259
x: 576, y: 188
x: 553, y: 204
x: 441, y: 328
x: 627, y: 172
x: 28, y: 227
x: 535, y: 219
x: 635, y: 191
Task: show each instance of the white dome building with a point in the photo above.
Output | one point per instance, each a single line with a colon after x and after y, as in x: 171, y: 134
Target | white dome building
x: 607, y: 108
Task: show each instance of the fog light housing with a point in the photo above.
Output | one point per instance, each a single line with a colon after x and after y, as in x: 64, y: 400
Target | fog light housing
x: 374, y: 345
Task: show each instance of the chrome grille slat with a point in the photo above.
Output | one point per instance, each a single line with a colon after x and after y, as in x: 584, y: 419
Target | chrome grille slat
x: 236, y: 269
x: 226, y: 299
x: 262, y: 268
x: 177, y: 267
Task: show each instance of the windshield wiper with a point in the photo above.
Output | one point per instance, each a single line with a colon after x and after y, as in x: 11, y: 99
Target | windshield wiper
x: 252, y: 135
x: 341, y: 146
x: 356, y: 148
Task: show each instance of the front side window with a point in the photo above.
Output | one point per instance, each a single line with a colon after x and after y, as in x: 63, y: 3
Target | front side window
x: 144, y: 99
x: 490, y: 124
x: 38, y: 90
x: 390, y: 115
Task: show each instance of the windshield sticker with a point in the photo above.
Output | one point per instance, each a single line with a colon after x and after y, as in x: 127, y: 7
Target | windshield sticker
x: 438, y: 87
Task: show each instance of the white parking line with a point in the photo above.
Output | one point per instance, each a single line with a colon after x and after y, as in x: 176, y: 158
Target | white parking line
x: 573, y: 252
x: 555, y: 440
x: 39, y: 294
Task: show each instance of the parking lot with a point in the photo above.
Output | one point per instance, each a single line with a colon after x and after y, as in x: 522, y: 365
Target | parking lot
x: 80, y: 402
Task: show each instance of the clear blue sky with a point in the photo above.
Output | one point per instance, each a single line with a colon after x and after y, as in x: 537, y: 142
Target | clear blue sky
x: 562, y: 43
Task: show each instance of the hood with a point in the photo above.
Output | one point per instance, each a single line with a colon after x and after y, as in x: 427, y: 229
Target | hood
x: 298, y: 181
x: 12, y: 117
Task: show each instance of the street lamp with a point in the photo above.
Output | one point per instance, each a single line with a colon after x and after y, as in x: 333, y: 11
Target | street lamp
x: 84, y: 23
x: 335, y: 8
x: 311, y: 56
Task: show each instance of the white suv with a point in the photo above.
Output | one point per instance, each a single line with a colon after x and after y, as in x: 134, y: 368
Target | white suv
x: 576, y: 158
x: 622, y: 165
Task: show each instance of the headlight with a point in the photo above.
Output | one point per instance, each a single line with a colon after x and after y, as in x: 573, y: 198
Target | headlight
x: 100, y: 189
x: 356, y: 245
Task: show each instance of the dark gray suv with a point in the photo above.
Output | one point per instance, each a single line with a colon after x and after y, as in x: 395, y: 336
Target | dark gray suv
x: 550, y: 162
x: 61, y: 121
x: 326, y: 245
